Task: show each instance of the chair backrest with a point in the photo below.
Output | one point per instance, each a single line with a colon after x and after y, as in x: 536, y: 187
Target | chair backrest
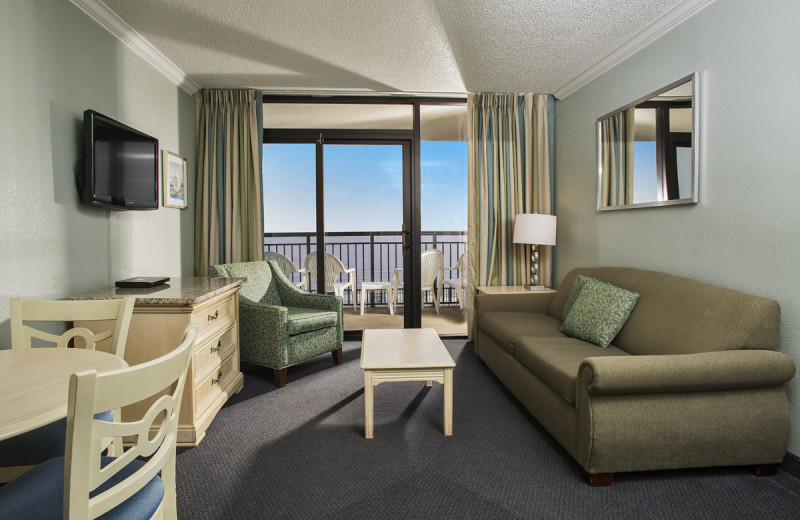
x: 432, y: 263
x: 90, y: 393
x: 117, y: 312
x: 286, y: 265
x: 259, y: 286
x: 333, y: 268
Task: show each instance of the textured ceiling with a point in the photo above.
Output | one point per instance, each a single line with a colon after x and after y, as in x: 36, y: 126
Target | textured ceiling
x: 388, y: 45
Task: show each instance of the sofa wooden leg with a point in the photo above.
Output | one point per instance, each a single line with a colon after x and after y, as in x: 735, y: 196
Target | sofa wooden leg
x: 337, y: 356
x: 280, y: 377
x: 597, y: 479
x: 765, y: 470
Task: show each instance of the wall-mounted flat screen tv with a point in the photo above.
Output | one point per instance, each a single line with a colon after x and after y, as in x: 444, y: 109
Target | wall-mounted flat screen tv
x: 121, y: 165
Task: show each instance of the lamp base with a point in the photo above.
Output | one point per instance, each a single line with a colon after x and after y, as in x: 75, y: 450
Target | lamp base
x: 535, y: 287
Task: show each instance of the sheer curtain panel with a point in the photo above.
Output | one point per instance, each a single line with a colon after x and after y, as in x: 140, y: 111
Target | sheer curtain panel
x: 228, y: 212
x: 510, y: 172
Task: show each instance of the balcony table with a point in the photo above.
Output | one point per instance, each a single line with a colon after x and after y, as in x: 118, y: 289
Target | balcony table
x: 378, y: 286
x: 34, y: 384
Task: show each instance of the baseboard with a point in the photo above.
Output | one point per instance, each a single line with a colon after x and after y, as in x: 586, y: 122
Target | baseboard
x: 791, y: 465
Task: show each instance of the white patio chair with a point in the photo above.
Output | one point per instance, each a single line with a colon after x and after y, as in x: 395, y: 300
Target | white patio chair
x: 288, y: 267
x: 432, y: 262
x: 456, y: 283
x: 333, y: 269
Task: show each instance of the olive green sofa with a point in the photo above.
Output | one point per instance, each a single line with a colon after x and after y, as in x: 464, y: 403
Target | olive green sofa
x: 693, y: 379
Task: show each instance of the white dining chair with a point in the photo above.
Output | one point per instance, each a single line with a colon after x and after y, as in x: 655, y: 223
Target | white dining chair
x: 31, y: 325
x: 431, y: 263
x: 137, y: 483
x: 456, y: 283
x: 333, y: 269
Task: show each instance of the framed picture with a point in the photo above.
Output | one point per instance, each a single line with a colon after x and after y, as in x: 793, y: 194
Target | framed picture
x: 173, y: 175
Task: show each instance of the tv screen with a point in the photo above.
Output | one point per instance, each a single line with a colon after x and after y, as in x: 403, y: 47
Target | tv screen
x: 121, y: 165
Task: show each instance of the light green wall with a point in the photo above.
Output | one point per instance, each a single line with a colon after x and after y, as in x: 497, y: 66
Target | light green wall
x: 55, y: 63
x: 744, y: 233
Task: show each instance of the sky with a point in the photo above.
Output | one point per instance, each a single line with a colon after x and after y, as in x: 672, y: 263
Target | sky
x: 645, y: 178
x: 363, y: 187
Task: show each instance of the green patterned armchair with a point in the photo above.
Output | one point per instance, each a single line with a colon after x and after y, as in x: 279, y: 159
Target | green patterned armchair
x: 280, y: 325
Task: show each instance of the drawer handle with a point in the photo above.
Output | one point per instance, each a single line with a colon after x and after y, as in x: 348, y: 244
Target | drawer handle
x: 212, y: 317
x: 218, y: 379
x: 216, y: 349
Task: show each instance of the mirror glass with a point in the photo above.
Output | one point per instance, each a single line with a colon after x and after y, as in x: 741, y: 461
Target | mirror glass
x: 647, y: 150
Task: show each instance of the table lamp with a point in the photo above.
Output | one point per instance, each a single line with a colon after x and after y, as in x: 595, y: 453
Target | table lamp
x: 537, y: 230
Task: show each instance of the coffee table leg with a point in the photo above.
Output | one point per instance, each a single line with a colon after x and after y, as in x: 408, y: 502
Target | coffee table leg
x: 448, y: 401
x: 368, y: 404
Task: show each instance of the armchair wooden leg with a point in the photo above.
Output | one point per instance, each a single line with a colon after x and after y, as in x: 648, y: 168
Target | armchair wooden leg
x: 280, y: 377
x: 337, y: 356
x: 597, y: 479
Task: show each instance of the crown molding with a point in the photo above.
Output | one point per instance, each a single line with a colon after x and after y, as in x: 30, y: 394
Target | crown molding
x: 661, y: 26
x: 110, y: 21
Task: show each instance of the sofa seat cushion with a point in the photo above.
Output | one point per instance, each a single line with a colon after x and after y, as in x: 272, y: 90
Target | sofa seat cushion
x: 508, y: 327
x: 301, y: 319
x: 556, y: 360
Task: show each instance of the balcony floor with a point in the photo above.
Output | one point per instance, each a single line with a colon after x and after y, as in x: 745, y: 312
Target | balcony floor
x: 450, y: 320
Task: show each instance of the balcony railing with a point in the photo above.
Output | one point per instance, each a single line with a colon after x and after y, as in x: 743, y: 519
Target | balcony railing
x: 374, y: 255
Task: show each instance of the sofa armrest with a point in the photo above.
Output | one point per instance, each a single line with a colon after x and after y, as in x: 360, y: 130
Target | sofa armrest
x: 702, y: 372
x: 536, y: 302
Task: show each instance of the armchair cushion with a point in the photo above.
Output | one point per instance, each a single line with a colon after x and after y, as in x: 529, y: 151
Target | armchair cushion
x: 305, y: 320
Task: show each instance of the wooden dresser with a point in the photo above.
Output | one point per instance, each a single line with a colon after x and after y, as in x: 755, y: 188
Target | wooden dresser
x: 159, y: 317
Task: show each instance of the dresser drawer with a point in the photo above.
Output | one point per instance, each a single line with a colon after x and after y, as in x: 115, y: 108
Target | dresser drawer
x: 211, y: 386
x: 208, y: 355
x: 214, y: 316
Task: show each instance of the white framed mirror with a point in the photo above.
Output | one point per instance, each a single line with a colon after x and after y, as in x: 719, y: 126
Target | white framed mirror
x: 647, y: 151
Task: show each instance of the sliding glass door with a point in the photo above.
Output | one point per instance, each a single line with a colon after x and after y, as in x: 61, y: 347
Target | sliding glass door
x: 351, y: 177
x: 363, y: 191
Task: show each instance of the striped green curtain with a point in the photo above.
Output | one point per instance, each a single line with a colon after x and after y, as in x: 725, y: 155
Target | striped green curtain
x: 228, y: 203
x: 510, y: 172
x: 617, y: 139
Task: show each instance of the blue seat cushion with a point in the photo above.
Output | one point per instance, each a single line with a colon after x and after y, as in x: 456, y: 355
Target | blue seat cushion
x: 39, y: 493
x: 36, y: 446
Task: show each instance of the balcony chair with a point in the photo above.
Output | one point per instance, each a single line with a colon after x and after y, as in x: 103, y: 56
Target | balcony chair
x: 288, y: 267
x: 333, y: 268
x: 456, y: 283
x: 20, y: 453
x: 432, y: 262
x: 85, y: 484
x: 279, y: 324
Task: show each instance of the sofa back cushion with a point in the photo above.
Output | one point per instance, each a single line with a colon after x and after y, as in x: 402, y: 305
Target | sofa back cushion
x: 676, y: 315
x: 259, y: 286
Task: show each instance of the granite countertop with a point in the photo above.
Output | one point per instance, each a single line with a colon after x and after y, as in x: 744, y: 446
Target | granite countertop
x: 177, y: 291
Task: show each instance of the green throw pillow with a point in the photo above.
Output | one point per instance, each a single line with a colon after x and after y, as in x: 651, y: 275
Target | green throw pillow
x: 577, y: 285
x: 599, y: 312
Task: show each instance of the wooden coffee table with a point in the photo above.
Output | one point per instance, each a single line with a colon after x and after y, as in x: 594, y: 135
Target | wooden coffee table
x: 405, y: 355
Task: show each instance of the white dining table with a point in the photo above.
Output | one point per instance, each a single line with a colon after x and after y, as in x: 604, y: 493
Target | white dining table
x: 34, y: 384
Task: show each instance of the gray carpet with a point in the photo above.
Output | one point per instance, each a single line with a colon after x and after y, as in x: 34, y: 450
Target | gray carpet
x: 300, y: 452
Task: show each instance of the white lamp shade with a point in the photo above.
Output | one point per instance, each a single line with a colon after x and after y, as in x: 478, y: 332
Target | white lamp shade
x: 533, y: 228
